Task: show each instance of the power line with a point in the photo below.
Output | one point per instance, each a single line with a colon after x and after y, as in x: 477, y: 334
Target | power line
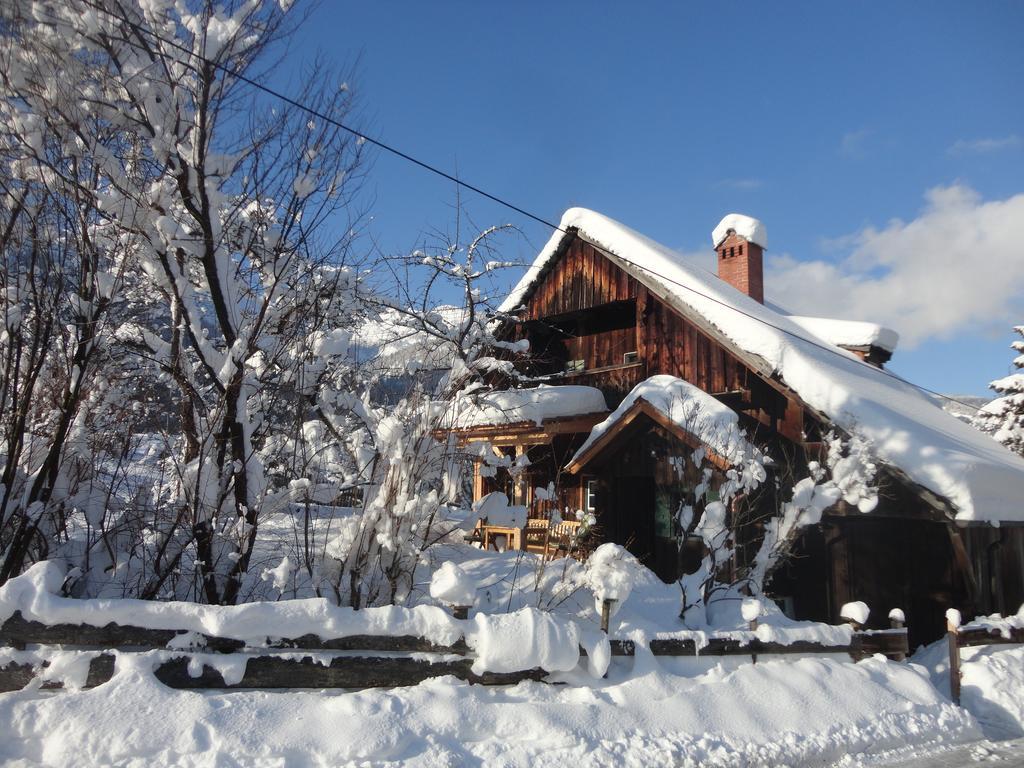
x: 232, y: 72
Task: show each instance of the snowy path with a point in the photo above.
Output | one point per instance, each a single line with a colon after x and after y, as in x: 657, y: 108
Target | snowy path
x: 1001, y: 754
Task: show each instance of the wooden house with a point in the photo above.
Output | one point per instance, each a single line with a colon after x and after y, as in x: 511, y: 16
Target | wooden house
x: 605, y: 310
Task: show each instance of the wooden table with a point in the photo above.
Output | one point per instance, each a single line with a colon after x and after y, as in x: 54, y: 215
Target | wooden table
x: 491, y: 532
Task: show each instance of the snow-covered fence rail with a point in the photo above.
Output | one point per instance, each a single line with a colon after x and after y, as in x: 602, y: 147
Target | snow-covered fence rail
x: 177, y: 670
x: 187, y: 659
x: 990, y: 630
x: 889, y: 642
x: 315, y: 644
x: 17, y: 632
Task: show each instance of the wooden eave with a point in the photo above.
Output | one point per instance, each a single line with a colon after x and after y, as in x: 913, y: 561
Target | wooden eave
x: 641, y: 408
x: 527, y: 432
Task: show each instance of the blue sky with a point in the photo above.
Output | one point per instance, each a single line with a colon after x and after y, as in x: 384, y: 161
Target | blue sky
x: 882, y: 144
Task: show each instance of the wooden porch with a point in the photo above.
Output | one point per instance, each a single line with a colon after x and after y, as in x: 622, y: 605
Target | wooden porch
x: 540, y: 536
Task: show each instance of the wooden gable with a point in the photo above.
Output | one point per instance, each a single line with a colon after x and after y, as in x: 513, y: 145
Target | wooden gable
x: 571, y: 317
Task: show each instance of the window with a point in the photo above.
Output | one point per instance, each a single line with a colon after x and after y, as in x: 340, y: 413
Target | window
x: 574, y: 366
x: 590, y: 495
x: 630, y: 357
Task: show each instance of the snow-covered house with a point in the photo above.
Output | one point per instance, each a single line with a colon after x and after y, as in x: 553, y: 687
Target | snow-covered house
x: 624, y: 332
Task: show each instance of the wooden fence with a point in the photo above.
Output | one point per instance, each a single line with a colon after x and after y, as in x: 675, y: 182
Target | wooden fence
x: 354, y: 661
x: 966, y: 637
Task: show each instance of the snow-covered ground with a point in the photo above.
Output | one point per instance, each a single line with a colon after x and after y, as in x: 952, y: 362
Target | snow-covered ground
x: 645, y: 713
x: 648, y: 711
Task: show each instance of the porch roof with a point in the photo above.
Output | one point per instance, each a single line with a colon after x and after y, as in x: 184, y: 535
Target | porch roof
x: 686, y: 411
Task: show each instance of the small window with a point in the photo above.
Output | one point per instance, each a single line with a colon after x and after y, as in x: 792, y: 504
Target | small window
x: 575, y: 366
x: 741, y: 249
x: 590, y: 495
x: 630, y: 357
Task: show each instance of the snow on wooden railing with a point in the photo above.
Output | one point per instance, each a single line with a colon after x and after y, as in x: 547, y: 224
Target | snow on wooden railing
x: 197, y: 646
x: 188, y: 659
x: 984, y: 630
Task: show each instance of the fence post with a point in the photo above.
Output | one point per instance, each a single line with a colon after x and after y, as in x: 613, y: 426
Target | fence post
x: 952, y: 634
x: 897, y: 620
x: 606, y: 615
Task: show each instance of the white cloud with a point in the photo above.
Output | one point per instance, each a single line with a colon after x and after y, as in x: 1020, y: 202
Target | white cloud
x: 739, y: 183
x: 852, y: 142
x: 981, y: 146
x: 958, y: 267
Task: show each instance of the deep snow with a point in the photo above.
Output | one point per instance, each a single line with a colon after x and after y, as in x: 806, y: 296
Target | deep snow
x: 645, y: 713
x: 648, y: 711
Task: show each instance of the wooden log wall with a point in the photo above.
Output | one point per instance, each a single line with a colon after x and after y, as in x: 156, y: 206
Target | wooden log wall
x: 600, y: 350
x: 581, y: 279
x: 667, y: 343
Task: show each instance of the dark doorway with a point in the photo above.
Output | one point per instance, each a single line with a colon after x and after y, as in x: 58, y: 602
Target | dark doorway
x: 632, y: 524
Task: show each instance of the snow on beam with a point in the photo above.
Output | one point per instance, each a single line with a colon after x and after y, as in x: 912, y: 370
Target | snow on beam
x: 686, y: 410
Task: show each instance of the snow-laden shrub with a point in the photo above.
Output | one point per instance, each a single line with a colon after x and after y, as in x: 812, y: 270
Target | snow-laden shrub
x: 450, y: 584
x: 610, y: 573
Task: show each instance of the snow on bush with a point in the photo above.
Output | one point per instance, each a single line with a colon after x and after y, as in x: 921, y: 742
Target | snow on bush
x: 279, y: 576
x: 452, y: 585
x: 751, y: 609
x: 848, y: 475
x: 857, y: 611
x: 525, y: 639
x: 610, y: 573
x: 1003, y: 418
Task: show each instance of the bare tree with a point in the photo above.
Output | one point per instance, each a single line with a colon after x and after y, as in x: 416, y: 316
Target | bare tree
x: 219, y: 204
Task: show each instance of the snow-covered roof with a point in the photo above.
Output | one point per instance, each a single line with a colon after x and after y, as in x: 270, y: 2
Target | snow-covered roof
x: 977, y: 475
x: 849, y: 333
x: 688, y: 407
x: 513, y: 406
x: 745, y: 226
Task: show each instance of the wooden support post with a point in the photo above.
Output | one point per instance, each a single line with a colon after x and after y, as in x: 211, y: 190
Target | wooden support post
x: 896, y: 622
x: 753, y: 628
x: 606, y: 615
x: 478, y: 481
x: 954, y: 661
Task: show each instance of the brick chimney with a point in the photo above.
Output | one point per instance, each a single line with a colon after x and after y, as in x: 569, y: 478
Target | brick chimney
x: 740, y: 242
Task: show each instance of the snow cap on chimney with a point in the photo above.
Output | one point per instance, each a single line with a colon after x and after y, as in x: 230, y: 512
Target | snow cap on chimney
x: 747, y: 227
x: 740, y: 242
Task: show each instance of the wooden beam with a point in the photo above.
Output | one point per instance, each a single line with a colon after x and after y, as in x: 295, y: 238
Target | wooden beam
x: 18, y: 632
x: 642, y: 407
x: 528, y: 433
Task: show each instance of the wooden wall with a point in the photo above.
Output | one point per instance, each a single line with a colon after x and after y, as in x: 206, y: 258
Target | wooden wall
x: 581, y: 279
x: 583, y: 282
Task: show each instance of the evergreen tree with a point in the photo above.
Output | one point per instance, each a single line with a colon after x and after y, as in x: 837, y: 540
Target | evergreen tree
x: 1003, y: 418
